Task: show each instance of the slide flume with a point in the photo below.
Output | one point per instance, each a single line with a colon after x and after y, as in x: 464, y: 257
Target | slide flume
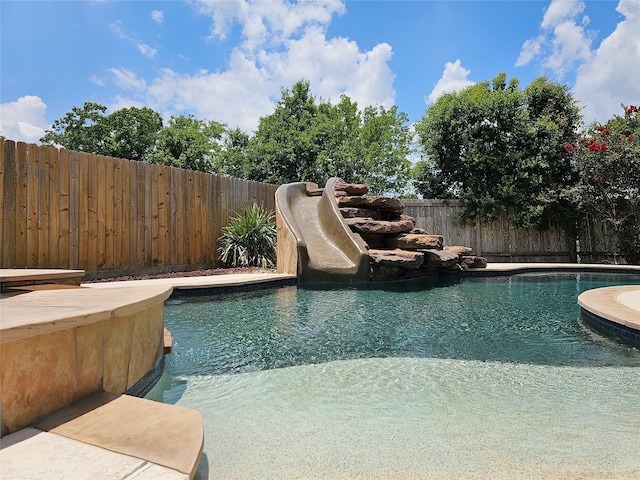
x: 313, y: 240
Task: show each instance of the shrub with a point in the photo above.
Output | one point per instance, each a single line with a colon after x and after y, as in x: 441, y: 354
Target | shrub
x: 607, y: 160
x: 250, y: 239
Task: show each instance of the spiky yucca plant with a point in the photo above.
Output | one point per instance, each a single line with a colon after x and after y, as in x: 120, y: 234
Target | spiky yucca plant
x: 250, y: 239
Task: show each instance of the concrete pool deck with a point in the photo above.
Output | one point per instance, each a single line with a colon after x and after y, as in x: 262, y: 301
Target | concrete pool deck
x: 71, y: 445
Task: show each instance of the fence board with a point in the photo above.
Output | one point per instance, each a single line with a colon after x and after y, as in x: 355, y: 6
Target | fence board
x: 21, y: 204
x: 63, y: 209
x: 8, y: 195
x: 2, y: 199
x: 91, y: 243
x: 140, y: 214
x: 74, y: 210
x: 54, y: 207
x: 83, y: 191
x: 121, y: 183
x: 32, y: 206
x: 43, y: 207
x: 175, y: 209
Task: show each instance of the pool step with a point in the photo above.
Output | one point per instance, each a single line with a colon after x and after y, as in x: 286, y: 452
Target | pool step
x: 117, y: 436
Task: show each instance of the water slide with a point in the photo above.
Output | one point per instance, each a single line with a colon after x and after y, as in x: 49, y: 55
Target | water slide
x: 313, y: 240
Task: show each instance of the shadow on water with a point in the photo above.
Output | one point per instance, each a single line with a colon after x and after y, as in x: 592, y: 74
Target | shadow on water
x: 202, y: 473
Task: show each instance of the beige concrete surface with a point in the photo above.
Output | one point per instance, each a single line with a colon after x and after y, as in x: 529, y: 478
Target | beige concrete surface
x: 210, y: 281
x: 558, y: 267
x: 159, y: 433
x: 30, y: 276
x: 44, y: 311
x: 619, y: 304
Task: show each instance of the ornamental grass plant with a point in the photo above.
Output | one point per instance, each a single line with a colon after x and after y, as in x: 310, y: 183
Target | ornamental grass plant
x: 250, y: 239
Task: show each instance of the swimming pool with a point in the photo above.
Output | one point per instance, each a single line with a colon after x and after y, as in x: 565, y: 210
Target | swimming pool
x: 481, y: 378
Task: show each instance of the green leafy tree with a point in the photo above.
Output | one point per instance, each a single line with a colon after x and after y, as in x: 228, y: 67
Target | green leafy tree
x: 126, y: 133
x: 305, y: 140
x: 131, y: 133
x: 284, y: 148
x: 232, y: 159
x: 493, y: 145
x: 82, y: 129
x: 607, y: 159
x: 188, y: 142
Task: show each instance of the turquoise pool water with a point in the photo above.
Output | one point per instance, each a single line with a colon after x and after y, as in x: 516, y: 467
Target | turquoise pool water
x: 482, y: 378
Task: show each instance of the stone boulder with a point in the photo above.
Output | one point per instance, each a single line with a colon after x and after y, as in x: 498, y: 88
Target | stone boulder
x: 458, y: 250
x: 467, y: 262
x: 408, y: 260
x: 353, y: 212
x: 369, y: 226
x: 441, y: 259
x: 357, y: 189
x: 415, y: 241
x: 378, y: 203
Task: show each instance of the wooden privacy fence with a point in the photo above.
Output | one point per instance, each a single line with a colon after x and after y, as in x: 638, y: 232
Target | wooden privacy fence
x: 498, y: 241
x: 74, y: 210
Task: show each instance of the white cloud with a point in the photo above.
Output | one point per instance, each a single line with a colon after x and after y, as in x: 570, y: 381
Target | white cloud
x: 564, y: 41
x: 23, y: 120
x: 530, y: 49
x: 157, y: 16
x: 611, y: 75
x: 97, y: 80
x: 142, y: 47
x: 559, y: 10
x: 127, y: 80
x: 454, y: 78
x: 605, y: 75
x: 282, y: 42
x: 146, y: 50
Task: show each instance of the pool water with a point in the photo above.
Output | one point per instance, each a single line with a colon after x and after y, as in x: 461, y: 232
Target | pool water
x: 482, y: 378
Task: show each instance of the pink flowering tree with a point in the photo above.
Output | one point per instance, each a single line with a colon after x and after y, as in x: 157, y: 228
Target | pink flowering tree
x: 607, y: 160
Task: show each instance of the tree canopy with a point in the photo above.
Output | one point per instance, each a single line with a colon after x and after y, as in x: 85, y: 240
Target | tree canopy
x: 188, y: 142
x: 126, y: 133
x: 493, y: 145
x: 306, y: 140
x: 302, y: 140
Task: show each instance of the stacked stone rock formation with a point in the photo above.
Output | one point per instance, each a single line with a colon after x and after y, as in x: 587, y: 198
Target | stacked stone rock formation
x: 397, y: 249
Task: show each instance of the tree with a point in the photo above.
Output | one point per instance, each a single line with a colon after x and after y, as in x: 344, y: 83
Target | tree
x: 285, y: 146
x: 187, y: 142
x: 126, y: 133
x: 232, y: 159
x: 82, y: 129
x: 493, y: 145
x: 131, y: 133
x: 305, y: 140
x: 607, y: 159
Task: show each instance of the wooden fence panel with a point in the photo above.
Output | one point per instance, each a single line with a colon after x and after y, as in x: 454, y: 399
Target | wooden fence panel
x: 8, y: 185
x: 53, y: 182
x: 596, y: 243
x: 498, y: 241
x: 21, y: 204
x: 65, y: 209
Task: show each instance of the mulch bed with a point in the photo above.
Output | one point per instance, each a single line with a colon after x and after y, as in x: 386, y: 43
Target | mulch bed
x: 193, y: 273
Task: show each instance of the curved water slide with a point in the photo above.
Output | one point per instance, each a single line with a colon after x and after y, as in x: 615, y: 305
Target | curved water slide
x: 313, y: 240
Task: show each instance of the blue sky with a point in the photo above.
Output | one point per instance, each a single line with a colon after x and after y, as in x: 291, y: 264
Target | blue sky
x: 227, y: 60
